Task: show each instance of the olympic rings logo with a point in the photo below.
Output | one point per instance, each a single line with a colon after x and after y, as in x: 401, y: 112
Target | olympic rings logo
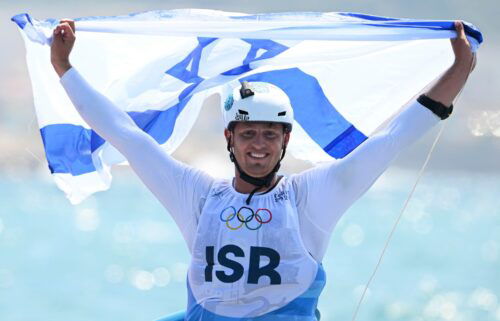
x: 245, y: 216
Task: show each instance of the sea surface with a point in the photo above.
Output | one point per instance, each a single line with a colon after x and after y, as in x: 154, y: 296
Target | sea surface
x: 119, y: 256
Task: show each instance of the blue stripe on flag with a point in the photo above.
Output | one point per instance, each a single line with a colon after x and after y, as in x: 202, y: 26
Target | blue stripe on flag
x: 68, y: 148
x: 345, y: 143
x: 313, y: 111
x: 469, y: 28
x: 366, y: 16
x: 21, y: 19
x: 370, y: 20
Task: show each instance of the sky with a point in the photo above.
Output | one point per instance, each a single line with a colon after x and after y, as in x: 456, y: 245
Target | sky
x: 470, y: 141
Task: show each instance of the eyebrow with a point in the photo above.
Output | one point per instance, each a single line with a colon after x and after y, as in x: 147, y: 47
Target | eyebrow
x: 273, y: 129
x: 253, y: 124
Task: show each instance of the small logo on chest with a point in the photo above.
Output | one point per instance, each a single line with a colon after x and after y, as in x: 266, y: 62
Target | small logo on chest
x: 281, y: 196
x: 245, y: 216
x: 217, y: 194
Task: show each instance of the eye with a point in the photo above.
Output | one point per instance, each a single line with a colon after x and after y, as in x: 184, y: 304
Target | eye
x: 270, y: 134
x: 247, y: 134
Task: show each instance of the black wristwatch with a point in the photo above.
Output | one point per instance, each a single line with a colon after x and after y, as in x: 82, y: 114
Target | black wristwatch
x: 436, y: 107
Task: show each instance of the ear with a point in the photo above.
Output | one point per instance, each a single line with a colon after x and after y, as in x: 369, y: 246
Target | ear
x: 286, y: 138
x: 227, y: 135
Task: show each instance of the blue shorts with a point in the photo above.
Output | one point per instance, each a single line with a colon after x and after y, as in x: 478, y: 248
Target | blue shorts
x: 179, y: 316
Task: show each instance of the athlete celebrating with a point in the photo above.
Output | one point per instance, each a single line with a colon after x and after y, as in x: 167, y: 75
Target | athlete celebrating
x: 257, y: 241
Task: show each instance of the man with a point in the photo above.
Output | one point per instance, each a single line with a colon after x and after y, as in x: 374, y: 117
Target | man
x: 257, y: 241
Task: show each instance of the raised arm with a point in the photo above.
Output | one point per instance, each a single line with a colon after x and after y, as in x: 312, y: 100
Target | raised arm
x: 358, y: 171
x: 446, y: 89
x: 180, y: 188
x: 327, y: 191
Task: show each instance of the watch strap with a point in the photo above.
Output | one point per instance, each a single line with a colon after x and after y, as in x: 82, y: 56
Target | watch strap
x: 436, y: 107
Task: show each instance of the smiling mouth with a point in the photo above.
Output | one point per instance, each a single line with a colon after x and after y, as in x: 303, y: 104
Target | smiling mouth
x: 257, y: 155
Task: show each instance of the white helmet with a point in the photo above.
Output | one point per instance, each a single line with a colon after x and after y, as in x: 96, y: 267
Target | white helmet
x: 256, y: 101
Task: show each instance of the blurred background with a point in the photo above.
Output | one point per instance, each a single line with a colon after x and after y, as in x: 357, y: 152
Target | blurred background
x: 118, y: 255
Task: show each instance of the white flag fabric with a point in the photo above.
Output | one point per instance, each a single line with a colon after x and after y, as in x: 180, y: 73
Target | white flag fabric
x: 346, y: 75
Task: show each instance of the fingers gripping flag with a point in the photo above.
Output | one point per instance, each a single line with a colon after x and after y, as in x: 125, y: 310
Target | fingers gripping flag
x: 346, y: 75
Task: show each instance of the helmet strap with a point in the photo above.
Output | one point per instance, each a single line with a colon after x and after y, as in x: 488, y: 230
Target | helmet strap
x: 258, y: 182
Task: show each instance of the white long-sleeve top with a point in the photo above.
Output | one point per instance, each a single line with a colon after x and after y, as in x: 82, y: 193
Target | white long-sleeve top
x: 323, y: 193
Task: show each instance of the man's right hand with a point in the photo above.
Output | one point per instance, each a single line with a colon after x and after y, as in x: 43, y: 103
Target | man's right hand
x: 62, y: 44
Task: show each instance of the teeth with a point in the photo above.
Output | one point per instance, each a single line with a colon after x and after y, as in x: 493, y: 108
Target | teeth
x: 256, y: 155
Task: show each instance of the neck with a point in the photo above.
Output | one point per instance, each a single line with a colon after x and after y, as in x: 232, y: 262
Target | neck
x: 244, y: 187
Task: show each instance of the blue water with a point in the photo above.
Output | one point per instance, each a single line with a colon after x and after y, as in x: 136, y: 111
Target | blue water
x: 118, y: 256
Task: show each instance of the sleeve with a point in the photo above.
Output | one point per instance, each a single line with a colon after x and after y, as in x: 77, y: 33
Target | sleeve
x: 325, y: 192
x: 181, y: 189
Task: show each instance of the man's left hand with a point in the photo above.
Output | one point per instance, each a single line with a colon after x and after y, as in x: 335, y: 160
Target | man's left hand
x: 462, y: 48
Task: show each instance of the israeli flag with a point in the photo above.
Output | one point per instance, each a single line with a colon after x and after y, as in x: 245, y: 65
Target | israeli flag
x: 346, y: 75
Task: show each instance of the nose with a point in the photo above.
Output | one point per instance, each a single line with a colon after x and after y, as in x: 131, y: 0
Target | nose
x: 258, y: 141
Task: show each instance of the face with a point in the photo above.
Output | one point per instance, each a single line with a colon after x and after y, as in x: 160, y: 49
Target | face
x: 257, y: 146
